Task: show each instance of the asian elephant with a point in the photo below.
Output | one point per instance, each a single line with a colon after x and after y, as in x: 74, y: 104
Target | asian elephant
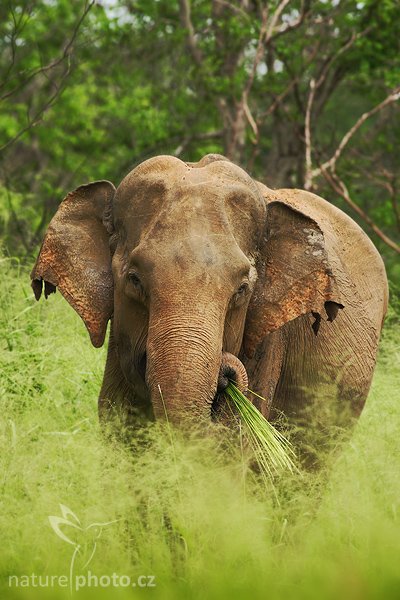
x: 206, y: 274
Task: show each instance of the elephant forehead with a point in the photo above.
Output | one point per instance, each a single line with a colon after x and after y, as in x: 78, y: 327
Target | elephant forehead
x: 166, y: 197
x: 147, y: 196
x: 195, y: 213
x: 161, y: 173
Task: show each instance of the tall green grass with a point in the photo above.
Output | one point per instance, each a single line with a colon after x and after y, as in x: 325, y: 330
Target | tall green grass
x: 189, y: 512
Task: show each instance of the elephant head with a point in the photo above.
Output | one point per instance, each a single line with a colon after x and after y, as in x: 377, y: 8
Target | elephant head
x: 192, y: 266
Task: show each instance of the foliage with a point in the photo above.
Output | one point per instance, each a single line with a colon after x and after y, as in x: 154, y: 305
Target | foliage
x: 89, y: 91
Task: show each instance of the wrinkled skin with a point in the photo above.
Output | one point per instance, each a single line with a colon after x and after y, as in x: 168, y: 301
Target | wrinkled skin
x: 207, y: 275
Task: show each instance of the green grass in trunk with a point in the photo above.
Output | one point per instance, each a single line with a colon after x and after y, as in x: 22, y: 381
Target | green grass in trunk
x: 273, y: 451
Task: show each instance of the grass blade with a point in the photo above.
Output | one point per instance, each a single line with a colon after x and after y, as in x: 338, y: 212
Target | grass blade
x: 273, y: 452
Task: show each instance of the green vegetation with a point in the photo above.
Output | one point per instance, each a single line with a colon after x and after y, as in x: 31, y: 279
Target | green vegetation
x: 190, y: 512
x: 87, y: 91
x: 273, y: 452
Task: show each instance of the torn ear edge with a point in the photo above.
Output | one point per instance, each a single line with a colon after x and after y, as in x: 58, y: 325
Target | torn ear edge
x: 331, y: 308
x: 316, y: 294
x: 37, y: 286
x: 95, y: 320
x: 322, y: 302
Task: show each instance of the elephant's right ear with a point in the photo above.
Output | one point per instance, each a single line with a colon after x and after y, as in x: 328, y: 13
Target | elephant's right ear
x: 75, y: 257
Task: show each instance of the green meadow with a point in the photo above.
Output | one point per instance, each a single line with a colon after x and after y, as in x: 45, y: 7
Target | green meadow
x: 178, y: 516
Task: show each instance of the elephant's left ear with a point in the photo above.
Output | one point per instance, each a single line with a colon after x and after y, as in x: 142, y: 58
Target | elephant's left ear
x: 75, y: 256
x: 295, y: 275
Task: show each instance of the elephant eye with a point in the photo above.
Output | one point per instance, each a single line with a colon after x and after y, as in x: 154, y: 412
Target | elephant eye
x: 134, y: 279
x: 241, y: 294
x: 242, y: 289
x: 134, y: 287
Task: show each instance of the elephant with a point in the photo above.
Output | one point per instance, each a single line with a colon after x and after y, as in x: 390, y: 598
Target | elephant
x: 207, y: 275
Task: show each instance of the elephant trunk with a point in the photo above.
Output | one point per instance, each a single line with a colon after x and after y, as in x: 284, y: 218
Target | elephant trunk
x: 185, y: 367
x: 232, y: 369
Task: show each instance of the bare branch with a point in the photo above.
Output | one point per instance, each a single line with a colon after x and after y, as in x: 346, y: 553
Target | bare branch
x: 292, y: 84
x: 295, y: 24
x: 32, y: 122
x: 54, y: 63
x: 236, y: 118
x: 279, y: 9
x: 244, y: 103
x: 199, y: 136
x: 250, y: 119
x: 340, y: 188
x: 236, y: 9
x: 188, y: 25
x: 307, y: 135
x: 333, y: 58
x: 259, y: 52
x: 387, y: 180
x: 278, y: 99
x: 18, y: 27
x: 331, y: 163
x: 315, y: 84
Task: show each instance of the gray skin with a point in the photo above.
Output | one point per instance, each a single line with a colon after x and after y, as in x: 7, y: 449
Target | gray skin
x: 207, y: 274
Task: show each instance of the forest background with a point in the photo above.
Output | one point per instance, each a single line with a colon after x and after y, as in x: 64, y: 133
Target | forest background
x: 300, y: 93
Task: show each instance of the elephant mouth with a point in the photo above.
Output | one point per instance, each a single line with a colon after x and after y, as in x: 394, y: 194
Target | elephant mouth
x: 219, y: 408
x: 231, y: 369
x: 142, y: 365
